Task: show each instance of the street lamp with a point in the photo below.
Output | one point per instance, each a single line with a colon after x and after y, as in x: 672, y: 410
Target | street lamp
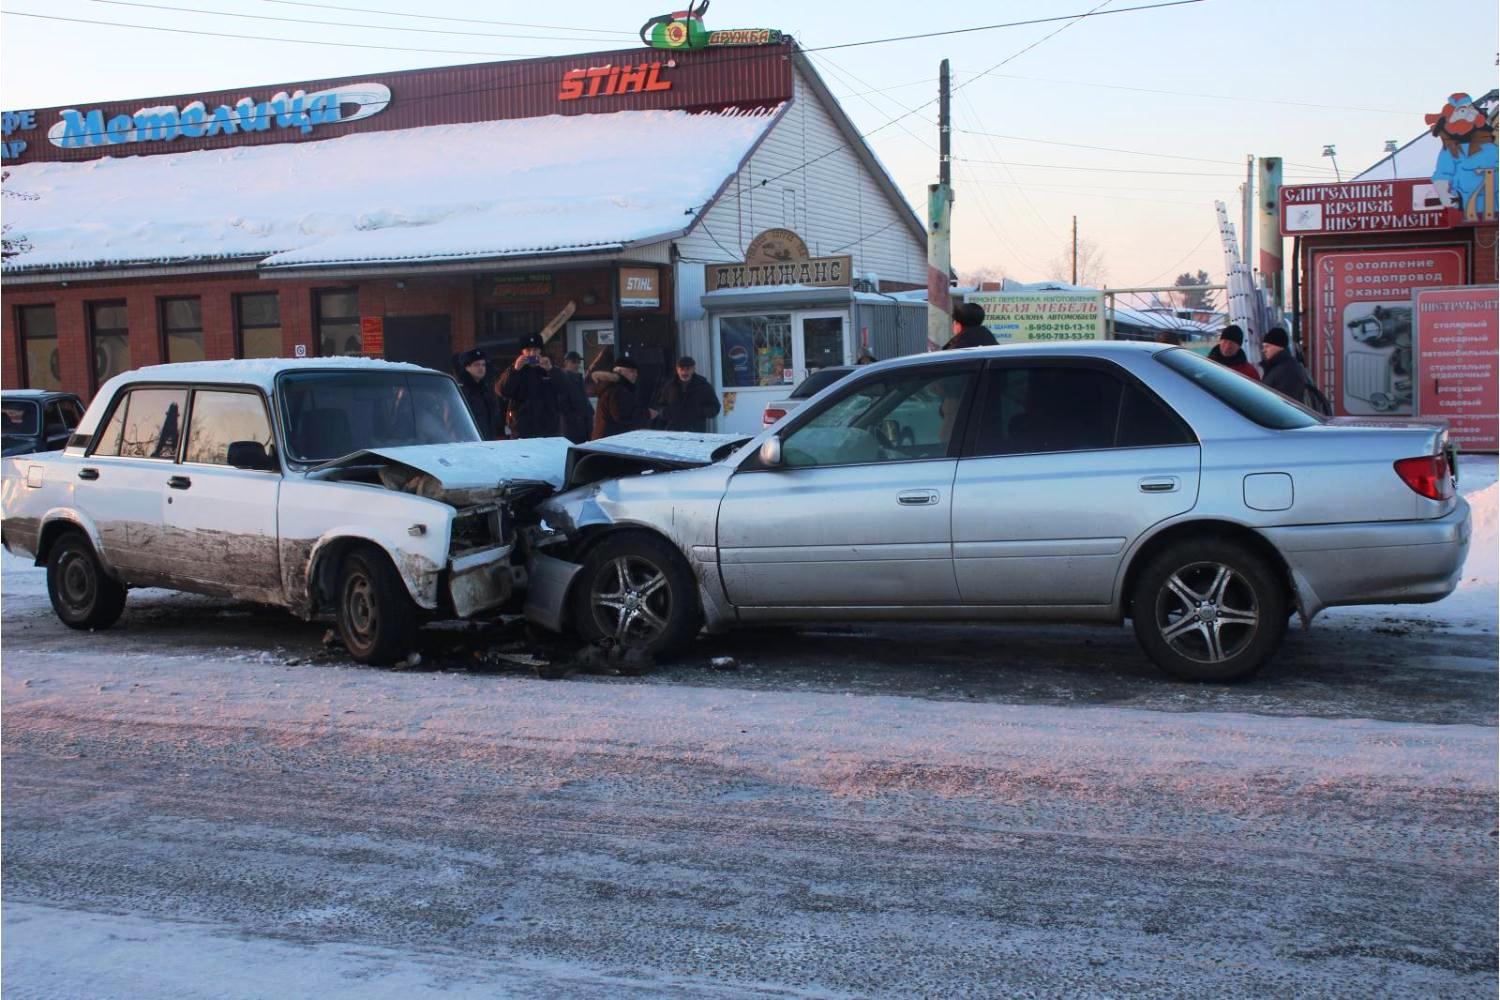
x: 1390, y: 148
x: 1333, y: 155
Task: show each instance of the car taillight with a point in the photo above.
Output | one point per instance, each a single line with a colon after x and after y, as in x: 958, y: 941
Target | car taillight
x: 772, y: 415
x: 1428, y: 476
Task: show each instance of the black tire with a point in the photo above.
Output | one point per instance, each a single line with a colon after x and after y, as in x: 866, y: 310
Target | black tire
x: 1209, y: 610
x: 636, y: 590
x: 82, y: 594
x: 377, y: 620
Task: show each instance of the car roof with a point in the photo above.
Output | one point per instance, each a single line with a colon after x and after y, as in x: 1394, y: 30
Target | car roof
x: 37, y: 394
x: 1109, y: 349
x: 260, y: 372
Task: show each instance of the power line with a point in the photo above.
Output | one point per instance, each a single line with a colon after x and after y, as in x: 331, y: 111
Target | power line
x: 1185, y: 257
x: 336, y: 24
x: 437, y: 17
x: 1010, y: 24
x: 1107, y: 170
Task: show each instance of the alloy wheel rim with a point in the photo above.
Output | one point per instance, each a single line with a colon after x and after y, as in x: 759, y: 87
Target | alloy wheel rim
x: 1207, y: 612
x: 631, y: 600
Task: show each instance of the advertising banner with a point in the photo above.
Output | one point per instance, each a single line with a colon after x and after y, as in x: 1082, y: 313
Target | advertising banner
x: 1458, y: 343
x: 1361, y: 311
x: 640, y: 287
x: 1365, y: 207
x: 372, y: 336
x: 1014, y: 317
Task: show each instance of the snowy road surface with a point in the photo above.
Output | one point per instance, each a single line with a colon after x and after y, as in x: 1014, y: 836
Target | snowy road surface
x: 201, y: 804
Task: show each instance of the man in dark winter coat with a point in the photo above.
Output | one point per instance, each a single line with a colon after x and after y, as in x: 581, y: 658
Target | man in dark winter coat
x: 619, y: 408
x: 577, y: 416
x: 687, y: 402
x: 529, y: 394
x: 1228, y: 352
x: 469, y: 368
x: 1282, y: 371
x: 969, y: 329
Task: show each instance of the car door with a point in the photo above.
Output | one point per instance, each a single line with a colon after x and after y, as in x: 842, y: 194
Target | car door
x: 124, y: 475
x: 858, y: 512
x: 59, y: 417
x: 1067, y: 463
x: 220, y: 519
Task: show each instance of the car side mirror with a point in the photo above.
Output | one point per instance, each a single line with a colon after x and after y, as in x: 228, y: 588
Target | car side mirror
x: 250, y: 455
x: 770, y: 451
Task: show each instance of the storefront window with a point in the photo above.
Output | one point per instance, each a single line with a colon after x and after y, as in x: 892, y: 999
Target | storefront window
x: 259, y: 325
x: 822, y: 341
x: 38, y: 325
x: 182, y: 329
x: 338, y: 323
x: 109, y: 340
x: 755, y: 350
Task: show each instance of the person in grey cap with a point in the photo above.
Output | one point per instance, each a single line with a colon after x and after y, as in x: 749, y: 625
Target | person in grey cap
x: 687, y: 402
x: 620, y: 410
x: 1281, y: 370
x: 575, y: 415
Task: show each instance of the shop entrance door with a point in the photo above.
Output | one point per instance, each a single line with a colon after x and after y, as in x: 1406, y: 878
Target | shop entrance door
x: 421, y: 340
x: 590, y: 338
x: 820, y: 342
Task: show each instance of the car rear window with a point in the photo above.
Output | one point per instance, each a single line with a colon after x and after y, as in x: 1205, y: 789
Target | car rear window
x: 1243, y: 395
x: 20, y: 416
x: 818, y: 381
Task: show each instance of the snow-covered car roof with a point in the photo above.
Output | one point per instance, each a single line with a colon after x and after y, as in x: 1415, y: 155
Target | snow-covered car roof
x: 36, y: 393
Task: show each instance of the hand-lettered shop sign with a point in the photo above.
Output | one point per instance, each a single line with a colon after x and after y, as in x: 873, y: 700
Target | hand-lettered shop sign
x: 1458, y: 352
x: 1365, y: 207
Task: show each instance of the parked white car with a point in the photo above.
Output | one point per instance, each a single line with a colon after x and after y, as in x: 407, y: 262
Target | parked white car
x: 333, y: 486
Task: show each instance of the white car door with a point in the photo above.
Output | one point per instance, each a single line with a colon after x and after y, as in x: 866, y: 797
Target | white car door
x: 1070, y: 462
x: 859, y: 511
x: 220, y: 503
x: 123, y: 478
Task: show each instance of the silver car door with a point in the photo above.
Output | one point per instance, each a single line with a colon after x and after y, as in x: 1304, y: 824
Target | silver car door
x: 859, y: 512
x: 1067, y: 464
x: 220, y: 520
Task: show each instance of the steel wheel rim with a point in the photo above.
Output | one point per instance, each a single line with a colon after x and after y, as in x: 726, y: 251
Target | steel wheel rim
x: 631, y: 600
x: 76, y: 581
x: 360, y: 608
x: 1207, y: 612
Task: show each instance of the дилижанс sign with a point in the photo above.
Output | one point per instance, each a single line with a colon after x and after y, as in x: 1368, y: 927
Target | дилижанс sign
x: 300, y: 110
x: 815, y: 271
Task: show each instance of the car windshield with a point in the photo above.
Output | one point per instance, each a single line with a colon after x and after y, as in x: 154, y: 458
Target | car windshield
x: 330, y: 414
x: 20, y: 416
x: 818, y: 381
x: 1245, y: 396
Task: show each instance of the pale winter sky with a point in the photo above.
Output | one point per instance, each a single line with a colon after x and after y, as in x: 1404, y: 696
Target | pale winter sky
x: 1198, y: 86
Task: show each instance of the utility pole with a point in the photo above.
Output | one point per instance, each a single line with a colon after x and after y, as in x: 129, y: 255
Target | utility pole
x: 1270, y: 231
x: 1247, y: 211
x: 1075, y: 249
x: 939, y: 219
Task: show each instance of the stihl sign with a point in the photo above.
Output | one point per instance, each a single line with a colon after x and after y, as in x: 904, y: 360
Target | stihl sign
x: 609, y: 81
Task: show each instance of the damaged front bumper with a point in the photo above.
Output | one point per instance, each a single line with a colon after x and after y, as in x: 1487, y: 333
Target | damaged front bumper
x: 483, y: 580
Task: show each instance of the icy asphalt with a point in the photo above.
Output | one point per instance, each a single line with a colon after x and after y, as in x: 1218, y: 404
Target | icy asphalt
x: 204, y: 803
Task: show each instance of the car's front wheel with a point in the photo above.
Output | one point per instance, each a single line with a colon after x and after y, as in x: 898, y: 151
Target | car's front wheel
x: 82, y: 594
x: 1209, y: 610
x: 376, y: 618
x: 636, y: 591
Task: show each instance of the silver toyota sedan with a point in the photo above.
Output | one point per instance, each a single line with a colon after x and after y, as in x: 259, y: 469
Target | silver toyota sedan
x: 1081, y: 482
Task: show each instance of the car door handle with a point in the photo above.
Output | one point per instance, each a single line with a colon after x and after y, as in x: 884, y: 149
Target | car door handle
x: 917, y: 498
x: 88, y: 473
x: 179, y: 482
x: 1160, y: 484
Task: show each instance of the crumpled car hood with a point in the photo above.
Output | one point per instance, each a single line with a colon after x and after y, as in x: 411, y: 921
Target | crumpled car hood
x: 461, y: 474
x: 645, y: 451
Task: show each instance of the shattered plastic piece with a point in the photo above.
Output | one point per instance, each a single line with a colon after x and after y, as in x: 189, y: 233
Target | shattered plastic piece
x: 724, y: 663
x: 413, y: 659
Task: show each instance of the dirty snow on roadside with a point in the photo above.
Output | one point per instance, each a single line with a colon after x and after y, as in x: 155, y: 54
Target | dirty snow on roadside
x: 184, y: 825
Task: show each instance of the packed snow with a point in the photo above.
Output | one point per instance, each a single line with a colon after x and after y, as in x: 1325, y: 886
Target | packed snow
x: 444, y: 192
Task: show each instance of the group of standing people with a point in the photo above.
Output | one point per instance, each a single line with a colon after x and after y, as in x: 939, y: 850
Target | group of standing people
x: 535, y: 398
x: 1280, y: 370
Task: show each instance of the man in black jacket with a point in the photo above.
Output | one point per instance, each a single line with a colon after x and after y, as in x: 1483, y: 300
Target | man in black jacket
x: 619, y: 408
x: 529, y: 394
x: 969, y: 329
x: 469, y: 368
x: 573, y: 400
x: 687, y: 402
x: 1281, y: 370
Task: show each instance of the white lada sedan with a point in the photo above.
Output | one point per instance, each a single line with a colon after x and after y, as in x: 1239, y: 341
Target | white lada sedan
x: 1082, y: 482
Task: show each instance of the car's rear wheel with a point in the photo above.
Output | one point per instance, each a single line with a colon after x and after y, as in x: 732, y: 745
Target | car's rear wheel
x: 1208, y: 610
x: 82, y: 594
x: 636, y: 591
x: 376, y: 618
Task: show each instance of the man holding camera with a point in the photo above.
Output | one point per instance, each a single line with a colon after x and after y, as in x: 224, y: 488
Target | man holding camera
x: 528, y: 393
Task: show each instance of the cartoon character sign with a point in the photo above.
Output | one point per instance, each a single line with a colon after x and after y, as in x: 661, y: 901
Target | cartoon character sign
x: 1465, y: 168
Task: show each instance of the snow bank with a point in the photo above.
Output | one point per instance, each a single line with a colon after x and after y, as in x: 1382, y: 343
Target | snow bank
x: 486, y: 189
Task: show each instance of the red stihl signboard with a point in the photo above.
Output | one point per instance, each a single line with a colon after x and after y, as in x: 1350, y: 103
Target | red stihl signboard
x: 1458, y: 348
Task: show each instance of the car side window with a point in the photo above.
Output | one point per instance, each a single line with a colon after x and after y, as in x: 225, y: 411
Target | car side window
x: 146, y: 424
x: 71, y: 413
x: 893, y: 419
x: 1030, y: 410
x: 220, y: 419
x: 56, y: 424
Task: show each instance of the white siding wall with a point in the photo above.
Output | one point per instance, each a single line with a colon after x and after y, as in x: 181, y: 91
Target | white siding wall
x: 834, y: 204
